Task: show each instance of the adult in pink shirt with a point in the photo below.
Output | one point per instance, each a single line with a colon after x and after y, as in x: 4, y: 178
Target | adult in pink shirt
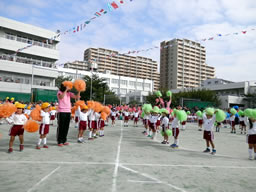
x: 64, y: 113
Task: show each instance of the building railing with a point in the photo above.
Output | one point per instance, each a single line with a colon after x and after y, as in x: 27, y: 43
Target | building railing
x: 26, y: 60
x: 29, y: 41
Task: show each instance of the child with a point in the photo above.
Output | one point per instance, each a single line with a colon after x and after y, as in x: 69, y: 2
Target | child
x: 126, y: 117
x: 218, y: 125
x: 135, y: 118
x: 83, y: 117
x: 53, y: 114
x: 18, y: 120
x: 152, y: 124
x: 209, y: 121
x: 183, y: 125
x: 251, y: 137
x: 165, y: 126
x: 44, y: 127
x: 101, y: 126
x: 242, y: 121
x: 113, y: 116
x: 175, y: 131
x: 232, y: 123
x: 146, y: 124
x: 93, y: 118
x: 76, y: 118
x: 200, y: 123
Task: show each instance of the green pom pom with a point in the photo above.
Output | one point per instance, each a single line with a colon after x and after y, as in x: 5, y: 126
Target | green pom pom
x: 248, y: 112
x: 188, y: 113
x: 155, y: 110
x: 240, y: 113
x: 162, y: 133
x: 172, y: 113
x: 199, y: 114
x: 158, y: 94
x: 142, y: 114
x: 220, y: 115
x: 181, y: 115
x: 168, y: 132
x: 233, y: 111
x: 169, y: 93
x: 254, y: 113
x: 209, y: 111
x: 147, y: 108
x: 163, y: 110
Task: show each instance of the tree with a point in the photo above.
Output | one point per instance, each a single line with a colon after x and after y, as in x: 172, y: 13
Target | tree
x: 60, y: 79
x: 99, y: 89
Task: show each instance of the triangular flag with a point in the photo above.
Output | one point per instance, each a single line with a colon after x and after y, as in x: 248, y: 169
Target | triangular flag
x: 87, y: 22
x: 211, y: 38
x: 74, y: 29
x: 235, y: 33
x: 110, y: 7
x: 77, y: 28
x: 219, y: 35
x: 102, y: 10
x: 97, y: 14
x: 244, y: 32
x: 114, y: 5
x: 121, y: 1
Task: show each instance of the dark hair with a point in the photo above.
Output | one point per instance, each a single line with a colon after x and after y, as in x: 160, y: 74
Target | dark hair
x: 62, y: 88
x: 250, y: 122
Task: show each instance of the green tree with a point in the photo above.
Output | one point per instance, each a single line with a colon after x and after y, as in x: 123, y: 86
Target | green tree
x: 99, y: 89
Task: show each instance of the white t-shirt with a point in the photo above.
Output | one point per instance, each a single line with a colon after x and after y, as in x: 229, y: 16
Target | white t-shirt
x: 165, y: 121
x: 208, y: 123
x: 17, y: 119
x: 45, y: 117
x: 232, y: 118
x: 153, y: 118
x: 27, y: 111
x: 136, y: 114
x: 175, y: 123
x: 252, y: 131
x: 113, y: 113
x: 82, y: 116
x: 52, y: 112
x: 126, y: 114
x: 93, y: 116
x: 146, y: 116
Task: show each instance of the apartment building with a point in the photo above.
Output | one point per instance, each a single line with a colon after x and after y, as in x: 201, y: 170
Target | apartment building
x: 123, y: 65
x: 182, y: 64
x: 18, y: 70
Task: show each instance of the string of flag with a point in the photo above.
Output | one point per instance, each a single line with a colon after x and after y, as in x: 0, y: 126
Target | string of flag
x: 110, y: 7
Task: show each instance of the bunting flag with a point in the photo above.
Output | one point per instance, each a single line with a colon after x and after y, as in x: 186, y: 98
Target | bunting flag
x: 111, y: 6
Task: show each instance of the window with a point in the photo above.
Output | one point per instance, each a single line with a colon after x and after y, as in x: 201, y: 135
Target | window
x: 132, y: 83
x: 216, y: 82
x: 115, y: 90
x: 107, y: 80
x: 146, y: 85
x: 209, y: 83
x: 139, y: 84
x: 123, y: 82
x: 123, y: 91
x: 114, y: 81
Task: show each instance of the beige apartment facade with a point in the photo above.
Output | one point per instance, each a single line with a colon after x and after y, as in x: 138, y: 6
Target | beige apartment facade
x: 110, y: 61
x: 182, y: 64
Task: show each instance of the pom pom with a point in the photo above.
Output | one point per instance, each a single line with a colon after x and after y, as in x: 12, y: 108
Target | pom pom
x: 163, y: 110
x: 188, y: 113
x: 7, y: 109
x: 220, y: 116
x: 169, y: 93
x: 162, y: 133
x: 209, y: 111
x: 68, y: 84
x: 142, y: 114
x: 103, y: 116
x: 147, y: 108
x: 97, y: 107
x: 199, y: 114
x: 80, y: 85
x: 155, y: 109
x: 181, y: 115
x: 35, y: 113
x: 253, y: 114
x: 31, y: 126
x: 106, y: 110
x: 168, y: 132
x: 158, y: 94
x: 80, y: 103
x: 248, y: 112
x: 233, y: 111
x: 90, y: 104
x: 73, y: 110
x: 241, y: 113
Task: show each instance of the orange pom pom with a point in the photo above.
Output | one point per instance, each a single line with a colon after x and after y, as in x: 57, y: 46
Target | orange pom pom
x: 97, y: 107
x: 90, y: 104
x: 106, y: 110
x: 31, y: 126
x: 103, y: 116
x: 73, y: 110
x: 68, y: 84
x: 7, y: 109
x: 80, y: 103
x: 80, y: 85
x: 35, y: 113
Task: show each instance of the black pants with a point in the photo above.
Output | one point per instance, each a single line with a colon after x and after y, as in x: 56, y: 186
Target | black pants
x: 63, y: 126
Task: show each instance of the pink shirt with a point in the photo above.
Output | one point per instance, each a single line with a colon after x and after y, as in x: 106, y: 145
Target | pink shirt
x: 65, y: 103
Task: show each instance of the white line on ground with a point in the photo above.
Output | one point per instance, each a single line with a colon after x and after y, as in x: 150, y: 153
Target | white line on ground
x: 117, y: 160
x: 134, y: 181
x: 152, y: 178
x: 57, y: 162
x: 42, y: 180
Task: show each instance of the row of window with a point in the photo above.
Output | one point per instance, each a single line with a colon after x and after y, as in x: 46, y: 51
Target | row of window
x: 22, y: 39
x: 131, y: 83
x: 26, y: 60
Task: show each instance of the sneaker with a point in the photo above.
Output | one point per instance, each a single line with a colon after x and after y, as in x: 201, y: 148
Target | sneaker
x: 163, y: 142
x: 206, y: 150
x: 213, y: 152
x: 60, y: 145
x: 176, y: 146
x: 167, y: 142
x: 173, y: 145
x: 79, y: 141
x: 95, y: 137
x: 66, y: 143
x: 149, y: 136
x: 143, y: 132
x: 45, y: 146
x: 21, y: 147
x: 10, y: 150
x: 90, y: 138
x: 38, y: 147
x: 251, y: 157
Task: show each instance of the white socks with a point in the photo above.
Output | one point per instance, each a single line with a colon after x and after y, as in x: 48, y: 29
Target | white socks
x: 44, y: 140
x: 150, y: 132
x: 39, y: 141
x: 101, y: 132
x: 176, y: 141
x: 147, y: 131
x: 250, y: 153
x: 90, y: 134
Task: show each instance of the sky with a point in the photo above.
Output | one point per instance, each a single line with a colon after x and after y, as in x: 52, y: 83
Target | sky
x: 141, y: 24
